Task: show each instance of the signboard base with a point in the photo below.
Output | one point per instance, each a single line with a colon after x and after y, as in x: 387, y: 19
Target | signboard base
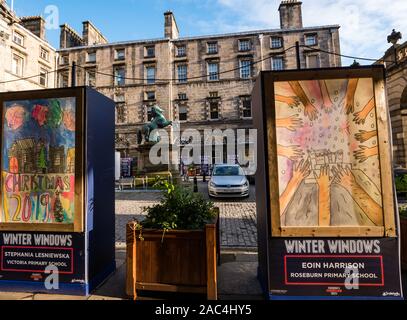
x: 351, y: 268
x: 51, y: 263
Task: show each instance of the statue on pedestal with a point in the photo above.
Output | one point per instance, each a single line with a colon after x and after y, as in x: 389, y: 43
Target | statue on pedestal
x: 158, y: 121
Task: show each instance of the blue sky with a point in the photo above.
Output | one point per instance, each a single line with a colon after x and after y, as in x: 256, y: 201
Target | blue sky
x: 365, y: 24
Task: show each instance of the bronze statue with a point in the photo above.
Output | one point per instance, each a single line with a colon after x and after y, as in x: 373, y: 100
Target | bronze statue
x: 158, y: 121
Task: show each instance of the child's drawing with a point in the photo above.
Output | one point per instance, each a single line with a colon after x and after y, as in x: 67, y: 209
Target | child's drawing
x: 328, y: 157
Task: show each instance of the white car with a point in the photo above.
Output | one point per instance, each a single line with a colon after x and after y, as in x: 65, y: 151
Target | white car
x: 228, y: 181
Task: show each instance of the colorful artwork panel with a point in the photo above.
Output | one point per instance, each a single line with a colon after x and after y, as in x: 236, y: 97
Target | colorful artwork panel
x: 328, y: 156
x: 38, y: 161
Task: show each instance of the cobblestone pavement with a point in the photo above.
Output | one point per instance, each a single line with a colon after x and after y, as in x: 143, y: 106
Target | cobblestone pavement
x: 237, y: 218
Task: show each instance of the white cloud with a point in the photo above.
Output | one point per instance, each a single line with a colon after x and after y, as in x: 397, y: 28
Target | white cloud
x: 365, y: 24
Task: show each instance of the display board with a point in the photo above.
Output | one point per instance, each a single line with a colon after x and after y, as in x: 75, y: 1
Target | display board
x: 326, y: 207
x: 39, y: 184
x: 57, y: 190
x: 329, y: 158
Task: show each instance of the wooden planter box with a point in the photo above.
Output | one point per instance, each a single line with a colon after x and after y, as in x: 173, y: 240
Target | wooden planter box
x: 186, y: 261
x: 403, y: 232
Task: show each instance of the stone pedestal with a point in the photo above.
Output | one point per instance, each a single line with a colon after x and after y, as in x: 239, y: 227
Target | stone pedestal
x: 149, y: 168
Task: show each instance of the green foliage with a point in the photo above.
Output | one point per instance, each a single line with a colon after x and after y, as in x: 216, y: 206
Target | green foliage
x: 58, y: 210
x: 180, y: 209
x: 403, y: 211
x: 42, y: 161
x: 401, y: 183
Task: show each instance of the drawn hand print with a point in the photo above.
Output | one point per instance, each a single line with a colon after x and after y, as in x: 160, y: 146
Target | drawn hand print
x: 328, y: 106
x: 344, y: 177
x: 311, y: 112
x: 301, y: 170
x: 349, y: 105
x: 360, y: 117
x: 364, y: 135
x: 291, y: 123
x: 292, y: 102
x: 365, y: 153
x: 290, y: 152
x: 323, y: 179
x: 324, y: 196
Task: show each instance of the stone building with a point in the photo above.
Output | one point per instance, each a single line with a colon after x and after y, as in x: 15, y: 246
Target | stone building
x: 24, y: 53
x: 203, y: 82
x: 395, y: 61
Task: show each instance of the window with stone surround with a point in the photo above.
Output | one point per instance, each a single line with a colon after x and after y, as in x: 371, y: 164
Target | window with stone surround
x: 17, y: 65
x: 313, y: 61
x: 182, y: 73
x: 64, y: 59
x: 245, y: 45
x: 181, y: 51
x: 276, y: 42
x: 120, y: 54
x: 213, y: 71
x: 120, y: 75
x: 43, y: 77
x: 90, y: 77
x: 311, y: 39
x: 212, y: 47
x: 246, y: 106
x: 91, y: 57
x: 213, y: 105
x: 245, y: 68
x: 150, y: 74
x: 182, y: 96
x: 149, y: 112
x: 214, y: 110
x: 277, y: 63
x: 18, y: 38
x: 44, y: 54
x: 183, y: 112
x: 63, y: 80
x: 150, y: 96
x: 121, y: 114
x: 149, y: 51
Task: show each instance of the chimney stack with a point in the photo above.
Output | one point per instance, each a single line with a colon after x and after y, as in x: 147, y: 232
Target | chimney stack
x: 35, y: 24
x: 91, y: 35
x: 69, y: 38
x: 291, y: 14
x: 170, y: 29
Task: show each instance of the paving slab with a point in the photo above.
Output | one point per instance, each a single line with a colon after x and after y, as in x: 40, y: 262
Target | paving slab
x: 53, y: 297
x: 238, y: 281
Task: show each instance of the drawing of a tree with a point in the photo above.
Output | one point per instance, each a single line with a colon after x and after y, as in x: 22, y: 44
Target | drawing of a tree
x: 42, y: 160
x: 58, y: 209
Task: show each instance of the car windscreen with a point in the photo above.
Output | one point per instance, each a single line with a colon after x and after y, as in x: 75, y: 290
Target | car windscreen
x: 228, y: 171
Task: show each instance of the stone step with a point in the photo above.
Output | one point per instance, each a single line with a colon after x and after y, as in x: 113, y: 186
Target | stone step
x: 238, y: 255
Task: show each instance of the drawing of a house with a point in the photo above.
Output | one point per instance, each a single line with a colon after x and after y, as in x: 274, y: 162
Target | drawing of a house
x: 57, y: 159
x: 70, y: 161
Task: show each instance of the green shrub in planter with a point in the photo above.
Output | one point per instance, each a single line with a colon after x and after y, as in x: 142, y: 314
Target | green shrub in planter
x: 403, y: 211
x: 401, y: 183
x: 180, y: 209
